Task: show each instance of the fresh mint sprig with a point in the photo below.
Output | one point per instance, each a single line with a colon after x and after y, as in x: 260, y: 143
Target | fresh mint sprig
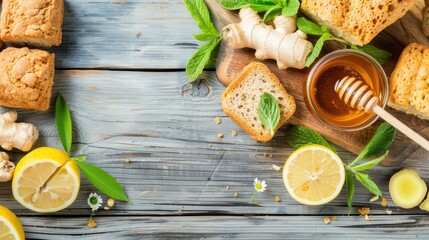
x: 201, y: 57
x: 272, y: 8
x: 102, y: 180
x: 311, y: 28
x: 269, y: 112
x: 299, y: 136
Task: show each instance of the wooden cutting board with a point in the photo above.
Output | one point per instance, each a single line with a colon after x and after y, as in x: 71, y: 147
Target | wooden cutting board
x: 394, y: 39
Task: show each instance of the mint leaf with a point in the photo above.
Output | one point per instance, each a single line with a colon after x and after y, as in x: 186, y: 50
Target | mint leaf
x: 79, y: 158
x: 103, y: 181
x: 200, y: 13
x: 369, y: 164
x: 380, y: 142
x: 317, y: 48
x: 299, y: 136
x: 368, y: 183
x: 199, y: 60
x: 269, y: 112
x: 350, y: 187
x: 205, y: 36
x: 309, y: 27
x: 382, y: 56
x: 272, y: 13
x: 257, y: 4
x: 290, y: 8
x: 63, y: 122
x: 261, y: 7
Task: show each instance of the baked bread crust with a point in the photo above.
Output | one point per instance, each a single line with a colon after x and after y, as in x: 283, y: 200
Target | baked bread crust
x: 240, y: 100
x: 409, y: 82
x: 33, y: 22
x: 357, y: 21
x: 26, y: 78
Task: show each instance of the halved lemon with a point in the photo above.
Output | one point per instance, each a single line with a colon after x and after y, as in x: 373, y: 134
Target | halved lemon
x: 10, y: 226
x: 313, y: 175
x: 46, y: 180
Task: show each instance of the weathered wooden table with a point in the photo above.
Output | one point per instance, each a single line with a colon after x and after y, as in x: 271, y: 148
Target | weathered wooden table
x: 121, y: 69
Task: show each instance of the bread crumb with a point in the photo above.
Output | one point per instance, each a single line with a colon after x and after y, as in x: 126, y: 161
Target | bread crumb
x: 334, y: 218
x: 265, y: 154
x: 127, y: 160
x: 383, y: 202
x: 327, y: 220
x: 367, y: 217
x: 110, y: 202
x: 106, y: 208
x: 219, y: 135
x: 277, y: 168
x: 138, y: 35
x: 92, y: 223
x: 388, y: 211
x: 364, y: 211
x: 233, y: 133
x: 278, y: 199
x: 235, y: 194
x: 218, y: 120
x: 271, y: 155
x: 227, y: 187
x: 373, y: 199
x: 210, y: 145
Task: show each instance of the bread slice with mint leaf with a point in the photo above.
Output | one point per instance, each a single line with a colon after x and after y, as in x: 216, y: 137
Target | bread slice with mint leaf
x: 240, y: 100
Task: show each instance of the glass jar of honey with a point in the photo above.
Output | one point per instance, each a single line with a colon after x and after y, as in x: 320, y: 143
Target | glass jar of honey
x: 322, y: 100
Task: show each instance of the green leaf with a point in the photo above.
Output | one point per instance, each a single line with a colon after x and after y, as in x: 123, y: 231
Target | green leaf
x: 269, y: 112
x: 199, y: 60
x: 200, y: 13
x: 317, y: 49
x: 205, y: 36
x: 272, y: 13
x: 309, y: 27
x: 382, y: 56
x: 63, y: 122
x: 261, y: 8
x: 380, y: 142
x: 370, y: 164
x: 290, y: 8
x: 79, y: 158
x: 238, y: 4
x: 368, y: 183
x: 350, y: 187
x: 103, y: 181
x: 299, y: 136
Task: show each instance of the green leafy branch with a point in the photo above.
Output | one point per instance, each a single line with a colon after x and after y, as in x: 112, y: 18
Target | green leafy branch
x: 209, y: 34
x: 311, y: 28
x: 269, y: 112
x: 299, y: 136
x: 271, y: 8
x: 102, y: 180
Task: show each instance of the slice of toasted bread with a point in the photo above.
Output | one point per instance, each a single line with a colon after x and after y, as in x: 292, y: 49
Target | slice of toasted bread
x: 240, y: 100
x: 409, y: 82
x: 356, y: 21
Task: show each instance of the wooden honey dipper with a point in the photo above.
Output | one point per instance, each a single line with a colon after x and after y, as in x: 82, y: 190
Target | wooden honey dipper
x: 357, y: 94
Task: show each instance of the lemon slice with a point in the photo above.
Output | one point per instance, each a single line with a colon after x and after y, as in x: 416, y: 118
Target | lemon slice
x: 10, y: 226
x: 313, y: 175
x: 46, y: 180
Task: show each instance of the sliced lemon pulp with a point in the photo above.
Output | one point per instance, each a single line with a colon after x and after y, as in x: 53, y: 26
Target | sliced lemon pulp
x: 313, y: 175
x: 46, y: 180
x: 10, y: 226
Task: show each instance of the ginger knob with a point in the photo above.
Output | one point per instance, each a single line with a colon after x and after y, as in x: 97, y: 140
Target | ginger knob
x: 6, y: 167
x: 21, y: 136
x: 407, y: 189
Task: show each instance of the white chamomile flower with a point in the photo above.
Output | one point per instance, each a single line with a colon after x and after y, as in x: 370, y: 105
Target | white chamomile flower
x: 94, y: 201
x: 260, y: 186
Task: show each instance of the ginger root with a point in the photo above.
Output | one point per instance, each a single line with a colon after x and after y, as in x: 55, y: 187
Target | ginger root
x: 21, y: 136
x: 6, y: 167
x: 407, y: 189
x: 282, y: 43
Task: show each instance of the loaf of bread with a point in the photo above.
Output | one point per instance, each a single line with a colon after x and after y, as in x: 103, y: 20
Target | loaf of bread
x: 240, y: 100
x: 409, y: 82
x: 357, y: 21
x: 33, y: 22
x: 26, y: 78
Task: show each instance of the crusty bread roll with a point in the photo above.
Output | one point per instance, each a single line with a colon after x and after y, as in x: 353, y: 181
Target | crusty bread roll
x: 240, y: 100
x: 357, y: 21
x: 34, y: 22
x: 26, y: 78
x: 409, y: 82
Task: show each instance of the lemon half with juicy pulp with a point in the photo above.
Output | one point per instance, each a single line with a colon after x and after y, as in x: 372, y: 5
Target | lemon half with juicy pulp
x: 10, y: 226
x: 46, y: 180
x: 313, y: 175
